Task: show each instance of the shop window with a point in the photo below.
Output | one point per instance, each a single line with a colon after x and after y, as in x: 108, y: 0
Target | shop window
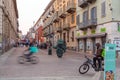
x: 81, y: 45
x: 89, y: 46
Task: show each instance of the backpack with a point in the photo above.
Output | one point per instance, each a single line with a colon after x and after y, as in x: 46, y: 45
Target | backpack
x: 103, y: 52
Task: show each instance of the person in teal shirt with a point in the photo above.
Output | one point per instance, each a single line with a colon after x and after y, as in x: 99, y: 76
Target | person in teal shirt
x: 32, y: 49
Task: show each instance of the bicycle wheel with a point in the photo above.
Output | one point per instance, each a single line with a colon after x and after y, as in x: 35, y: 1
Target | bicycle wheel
x: 34, y: 60
x: 21, y: 59
x: 84, y: 68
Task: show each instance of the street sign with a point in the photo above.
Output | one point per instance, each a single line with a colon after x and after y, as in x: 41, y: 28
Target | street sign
x: 110, y: 62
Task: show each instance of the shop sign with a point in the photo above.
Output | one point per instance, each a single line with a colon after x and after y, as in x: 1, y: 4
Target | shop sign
x: 103, y: 30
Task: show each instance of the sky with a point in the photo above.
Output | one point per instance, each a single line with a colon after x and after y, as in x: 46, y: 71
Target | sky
x: 29, y: 11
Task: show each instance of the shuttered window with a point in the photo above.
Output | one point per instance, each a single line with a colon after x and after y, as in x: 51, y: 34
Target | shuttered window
x: 85, y: 18
x: 78, y: 19
x: 103, y: 9
x: 93, y: 13
x: 72, y: 18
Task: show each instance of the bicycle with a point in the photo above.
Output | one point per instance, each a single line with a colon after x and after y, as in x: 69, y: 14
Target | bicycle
x: 24, y: 58
x: 84, y: 68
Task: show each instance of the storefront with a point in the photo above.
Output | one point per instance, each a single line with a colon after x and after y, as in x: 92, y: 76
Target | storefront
x: 87, y: 43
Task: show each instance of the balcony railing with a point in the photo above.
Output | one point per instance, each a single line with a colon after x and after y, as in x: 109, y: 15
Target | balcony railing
x: 52, y: 29
x: 66, y: 26
x: 56, y: 18
x: 71, y: 7
x: 82, y: 3
x: 59, y: 29
x: 90, y: 1
x: 92, y: 22
x: 62, y: 13
x: 87, y: 24
x: 80, y: 25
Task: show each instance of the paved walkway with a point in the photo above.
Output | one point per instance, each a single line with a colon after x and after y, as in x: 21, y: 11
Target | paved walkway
x: 49, y: 67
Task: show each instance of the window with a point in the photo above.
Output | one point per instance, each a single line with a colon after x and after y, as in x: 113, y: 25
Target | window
x: 72, y: 36
x: 85, y: 18
x: 103, y: 10
x: 67, y: 36
x: 64, y: 8
x: 68, y: 19
x: 93, y: 13
x: 64, y: 22
x: 118, y: 27
x: 72, y: 18
x: 78, y: 19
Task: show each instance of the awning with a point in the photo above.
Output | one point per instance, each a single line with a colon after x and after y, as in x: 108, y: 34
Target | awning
x: 92, y: 35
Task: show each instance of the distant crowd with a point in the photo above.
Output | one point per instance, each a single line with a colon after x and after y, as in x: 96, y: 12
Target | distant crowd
x: 26, y: 43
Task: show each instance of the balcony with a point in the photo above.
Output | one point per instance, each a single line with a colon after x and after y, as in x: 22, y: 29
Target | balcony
x: 62, y: 13
x: 56, y: 18
x: 45, y: 34
x: 80, y: 26
x: 88, y: 24
x: 90, y: 1
x: 51, y: 30
x: 92, y: 22
x: 59, y: 29
x: 66, y: 27
x: 83, y: 3
x: 71, y: 8
x: 83, y: 25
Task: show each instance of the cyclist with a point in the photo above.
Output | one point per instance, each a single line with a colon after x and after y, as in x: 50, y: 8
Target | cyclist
x: 32, y: 49
x: 98, y: 57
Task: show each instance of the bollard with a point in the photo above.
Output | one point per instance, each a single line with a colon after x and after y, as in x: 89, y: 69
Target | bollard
x: 49, y: 51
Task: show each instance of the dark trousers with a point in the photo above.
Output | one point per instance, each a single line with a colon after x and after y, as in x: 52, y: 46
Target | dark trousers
x: 99, y: 59
x: 28, y: 55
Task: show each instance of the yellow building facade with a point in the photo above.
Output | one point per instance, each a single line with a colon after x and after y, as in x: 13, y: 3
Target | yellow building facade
x: 59, y: 21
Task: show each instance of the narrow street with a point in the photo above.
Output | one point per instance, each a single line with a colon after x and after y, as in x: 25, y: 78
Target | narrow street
x: 50, y: 67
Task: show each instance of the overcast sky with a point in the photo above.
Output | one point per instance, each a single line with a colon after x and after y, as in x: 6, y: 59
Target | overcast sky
x: 29, y: 11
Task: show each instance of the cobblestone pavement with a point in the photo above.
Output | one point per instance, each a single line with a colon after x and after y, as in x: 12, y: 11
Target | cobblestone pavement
x: 50, y: 67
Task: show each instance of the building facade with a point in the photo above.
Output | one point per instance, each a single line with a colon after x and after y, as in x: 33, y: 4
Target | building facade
x: 97, y: 21
x: 59, y: 21
x: 8, y: 24
x: 38, y: 31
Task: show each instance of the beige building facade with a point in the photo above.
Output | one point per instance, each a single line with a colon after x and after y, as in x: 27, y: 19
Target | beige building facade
x: 8, y: 24
x: 59, y: 21
x: 97, y: 21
